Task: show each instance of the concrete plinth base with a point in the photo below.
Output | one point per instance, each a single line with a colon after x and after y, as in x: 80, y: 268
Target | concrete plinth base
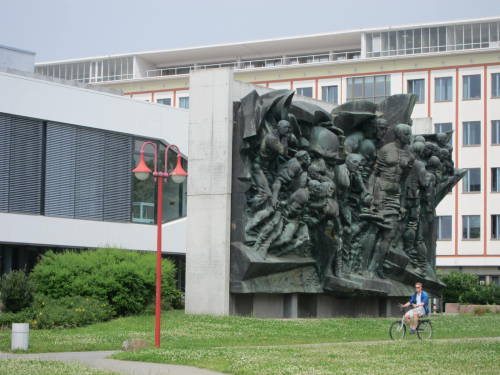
x: 297, y: 305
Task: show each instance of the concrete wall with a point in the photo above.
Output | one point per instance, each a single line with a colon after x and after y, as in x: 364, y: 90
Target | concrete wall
x: 212, y: 95
x: 41, y: 99
x: 13, y: 58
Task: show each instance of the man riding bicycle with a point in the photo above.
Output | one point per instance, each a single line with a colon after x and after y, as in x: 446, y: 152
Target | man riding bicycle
x: 420, y: 302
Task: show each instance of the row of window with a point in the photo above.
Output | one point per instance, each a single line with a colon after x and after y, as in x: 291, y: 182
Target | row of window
x: 78, y: 172
x: 377, y: 88
x: 443, y: 92
x: 329, y: 94
x: 471, y: 131
x: 471, y: 227
x: 433, y: 39
x: 472, y: 180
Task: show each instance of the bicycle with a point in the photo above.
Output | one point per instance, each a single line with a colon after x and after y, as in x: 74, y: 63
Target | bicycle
x: 397, y: 330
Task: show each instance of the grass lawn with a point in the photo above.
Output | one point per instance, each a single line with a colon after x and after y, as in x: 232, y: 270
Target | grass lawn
x: 230, y: 344
x: 31, y: 367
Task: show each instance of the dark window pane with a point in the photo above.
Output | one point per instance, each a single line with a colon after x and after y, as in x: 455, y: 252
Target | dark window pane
x: 305, y: 91
x: 472, y: 86
x: 417, y: 87
x: 495, y: 132
x: 329, y: 94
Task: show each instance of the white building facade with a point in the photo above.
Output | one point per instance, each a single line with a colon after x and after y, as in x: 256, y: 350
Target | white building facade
x: 66, y: 177
x: 453, y: 68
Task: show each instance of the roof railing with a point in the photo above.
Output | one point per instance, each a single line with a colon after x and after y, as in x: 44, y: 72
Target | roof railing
x: 257, y: 64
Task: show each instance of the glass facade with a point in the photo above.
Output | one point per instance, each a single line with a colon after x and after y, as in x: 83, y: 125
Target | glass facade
x: 330, y: 94
x: 472, y: 133
x: 417, y: 87
x: 144, y: 193
x: 432, y: 39
x: 471, y: 227
x: 443, y: 89
x: 372, y: 88
x: 472, y: 180
x: 91, y: 71
x: 444, y: 227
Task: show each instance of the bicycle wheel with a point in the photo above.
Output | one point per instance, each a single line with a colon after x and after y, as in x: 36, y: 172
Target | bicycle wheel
x: 424, y: 330
x: 397, y: 330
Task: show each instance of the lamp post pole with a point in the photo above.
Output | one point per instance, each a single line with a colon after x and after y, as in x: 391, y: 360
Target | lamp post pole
x: 159, y: 221
x: 178, y: 174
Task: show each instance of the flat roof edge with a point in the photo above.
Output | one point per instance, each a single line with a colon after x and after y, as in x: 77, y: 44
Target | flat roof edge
x: 15, y: 49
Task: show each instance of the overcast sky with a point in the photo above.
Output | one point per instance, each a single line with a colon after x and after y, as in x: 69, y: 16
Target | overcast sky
x: 61, y: 29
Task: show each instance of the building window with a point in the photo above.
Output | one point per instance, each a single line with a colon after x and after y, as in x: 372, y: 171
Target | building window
x: 495, y: 180
x: 443, y: 127
x: 144, y: 193
x: 495, y: 280
x: 165, y: 101
x: 184, y: 102
x: 444, y: 228
x: 471, y: 229
x: 495, y: 132
x: 330, y: 94
x: 472, y: 180
x: 472, y: 87
x: 417, y: 87
x: 495, y: 227
x: 495, y: 85
x: 472, y: 133
x: 373, y: 88
x: 305, y: 91
x: 443, y: 89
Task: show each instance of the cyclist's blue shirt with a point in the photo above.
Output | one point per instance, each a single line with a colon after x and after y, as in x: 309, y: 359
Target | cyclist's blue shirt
x: 424, y: 298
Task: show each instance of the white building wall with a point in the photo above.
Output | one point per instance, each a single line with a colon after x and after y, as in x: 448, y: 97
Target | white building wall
x: 25, y: 96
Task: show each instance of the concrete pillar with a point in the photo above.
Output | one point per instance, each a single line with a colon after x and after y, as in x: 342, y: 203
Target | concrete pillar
x: 291, y: 305
x: 209, y: 192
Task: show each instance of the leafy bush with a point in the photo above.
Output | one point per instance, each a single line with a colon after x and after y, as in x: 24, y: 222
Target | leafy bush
x: 23, y: 316
x: 125, y: 279
x: 69, y: 312
x: 16, y: 291
x: 465, y: 288
x: 66, y: 312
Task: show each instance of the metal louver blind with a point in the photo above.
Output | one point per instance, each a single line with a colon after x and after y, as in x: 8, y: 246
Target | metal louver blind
x: 60, y: 170
x: 25, y: 174
x: 4, y: 161
x: 89, y: 190
x: 117, y: 179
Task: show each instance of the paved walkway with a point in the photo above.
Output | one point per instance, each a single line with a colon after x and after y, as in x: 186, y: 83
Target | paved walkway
x: 99, y: 360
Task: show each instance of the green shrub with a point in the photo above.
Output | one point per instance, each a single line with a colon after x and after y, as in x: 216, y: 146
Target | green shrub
x: 66, y: 312
x: 465, y: 288
x: 16, y: 291
x: 125, y: 279
x: 7, y: 318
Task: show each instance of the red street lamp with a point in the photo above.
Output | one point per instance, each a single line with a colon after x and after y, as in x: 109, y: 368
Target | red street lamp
x: 179, y: 175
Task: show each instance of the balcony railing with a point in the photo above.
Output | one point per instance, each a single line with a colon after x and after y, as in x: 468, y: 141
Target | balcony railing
x: 257, y: 64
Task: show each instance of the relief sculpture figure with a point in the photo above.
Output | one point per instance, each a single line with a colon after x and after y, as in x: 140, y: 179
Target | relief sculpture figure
x: 341, y: 202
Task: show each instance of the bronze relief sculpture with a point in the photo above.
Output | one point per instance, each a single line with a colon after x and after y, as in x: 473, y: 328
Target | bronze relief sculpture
x: 340, y: 202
